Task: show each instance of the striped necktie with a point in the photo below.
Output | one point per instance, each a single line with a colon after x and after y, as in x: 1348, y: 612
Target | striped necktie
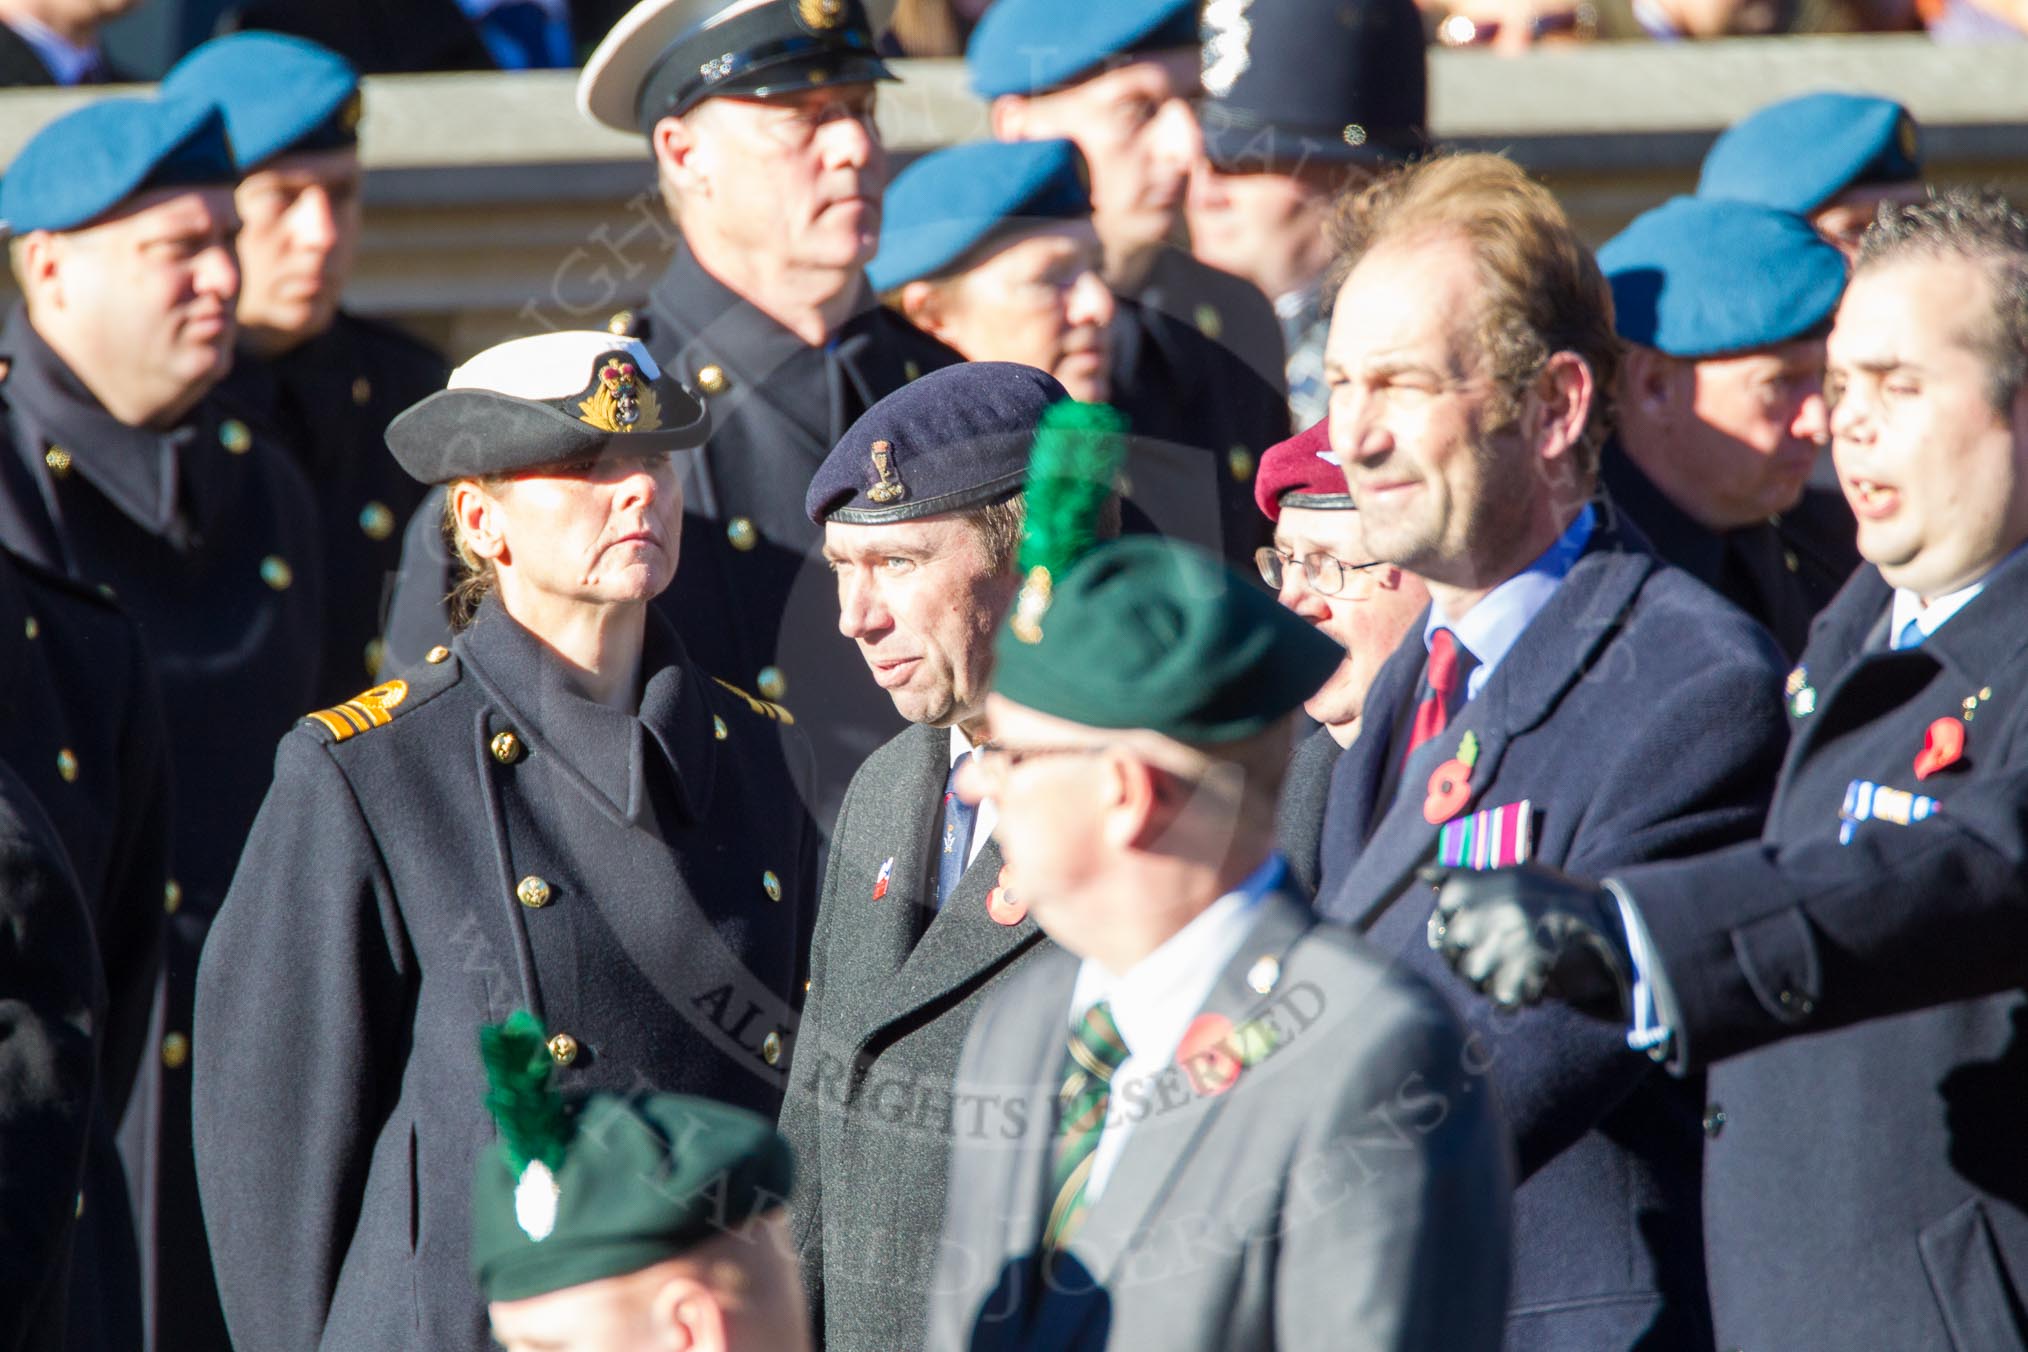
x: 1450, y: 666
x: 1096, y: 1051
x: 954, y: 842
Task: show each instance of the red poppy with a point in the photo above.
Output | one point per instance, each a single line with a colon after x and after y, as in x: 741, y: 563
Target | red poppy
x: 1943, y: 745
x: 1208, y: 1056
x: 1450, y: 788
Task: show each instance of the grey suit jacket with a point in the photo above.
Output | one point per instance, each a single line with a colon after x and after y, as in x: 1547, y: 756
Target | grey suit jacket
x: 1348, y: 1191
x: 869, y: 1100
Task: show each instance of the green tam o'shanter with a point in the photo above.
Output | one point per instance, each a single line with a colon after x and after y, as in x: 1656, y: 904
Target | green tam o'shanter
x: 582, y: 1189
x: 1144, y: 632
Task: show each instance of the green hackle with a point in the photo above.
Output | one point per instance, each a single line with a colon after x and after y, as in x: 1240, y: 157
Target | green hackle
x: 1073, y: 468
x: 534, y: 1123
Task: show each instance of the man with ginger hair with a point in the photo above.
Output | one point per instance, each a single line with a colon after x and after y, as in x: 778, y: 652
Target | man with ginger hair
x: 1566, y: 698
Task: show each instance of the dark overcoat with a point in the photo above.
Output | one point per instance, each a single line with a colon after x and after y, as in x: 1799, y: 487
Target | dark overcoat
x: 1866, y: 1187
x: 1638, y: 714
x: 434, y: 855
x: 1299, y: 818
x: 329, y: 400
x: 206, y: 533
x: 894, y: 985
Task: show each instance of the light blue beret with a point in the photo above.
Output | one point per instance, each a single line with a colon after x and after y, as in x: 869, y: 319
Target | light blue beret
x: 1700, y: 278
x: 1028, y: 46
x: 1800, y: 153
x: 278, y: 93
x: 944, y: 204
x: 89, y: 161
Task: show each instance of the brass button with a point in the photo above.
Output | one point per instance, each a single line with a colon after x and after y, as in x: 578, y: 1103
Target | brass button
x: 563, y: 1049
x: 718, y: 727
x: 176, y: 1051
x: 1210, y: 323
x: 741, y: 533
x: 1354, y: 134
x: 1239, y: 460
x: 33, y: 627
x: 507, y: 750
x: 771, y: 1048
x: 66, y: 765
x: 773, y: 685
x: 1790, y: 561
x: 534, y: 892
x: 362, y: 391
x: 232, y: 435
x: 376, y: 520
x: 911, y: 370
x: 436, y: 655
x: 621, y: 323
x: 79, y: 1212
x: 58, y: 460
x: 275, y: 571
x: 771, y: 885
x: 807, y: 985
x: 172, y: 896
x: 711, y: 379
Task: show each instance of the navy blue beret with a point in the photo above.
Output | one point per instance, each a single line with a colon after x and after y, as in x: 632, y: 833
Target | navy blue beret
x: 279, y: 94
x: 947, y: 202
x: 1701, y: 278
x: 956, y: 438
x: 1029, y: 46
x: 1800, y: 153
x: 89, y: 161
x: 1293, y: 84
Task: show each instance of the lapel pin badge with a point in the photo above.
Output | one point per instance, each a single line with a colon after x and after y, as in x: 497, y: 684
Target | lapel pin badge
x: 1802, y: 695
x: 886, y: 874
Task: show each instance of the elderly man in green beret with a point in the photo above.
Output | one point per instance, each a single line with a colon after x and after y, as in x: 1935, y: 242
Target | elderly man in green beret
x: 628, y: 1224
x: 1206, y: 1121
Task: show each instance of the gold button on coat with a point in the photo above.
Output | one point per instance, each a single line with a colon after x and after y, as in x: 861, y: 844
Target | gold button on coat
x: 376, y: 520
x: 232, y: 435
x: 33, y: 627
x: 176, y: 1051
x: 771, y: 1048
x: 773, y: 685
x: 506, y: 748
x: 711, y: 379
x: 362, y: 391
x: 66, y: 765
x: 1210, y: 323
x: 58, y: 460
x: 534, y: 892
x: 771, y: 885
x: 436, y: 654
x: 172, y: 896
x: 1240, y: 461
x: 563, y: 1049
x: 740, y: 532
x: 718, y: 727
x: 275, y: 571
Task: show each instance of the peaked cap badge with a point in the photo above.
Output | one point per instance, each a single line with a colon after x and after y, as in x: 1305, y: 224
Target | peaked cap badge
x: 818, y: 15
x: 621, y: 403
x: 890, y: 488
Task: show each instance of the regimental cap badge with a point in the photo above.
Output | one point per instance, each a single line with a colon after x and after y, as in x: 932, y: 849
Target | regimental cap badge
x: 620, y: 400
x: 820, y: 15
x: 890, y: 488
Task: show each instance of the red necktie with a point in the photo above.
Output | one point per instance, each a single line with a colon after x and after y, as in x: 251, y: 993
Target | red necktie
x: 1446, y: 680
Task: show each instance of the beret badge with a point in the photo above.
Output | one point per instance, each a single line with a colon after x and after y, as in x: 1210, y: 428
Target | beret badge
x: 890, y: 488
x: 621, y: 403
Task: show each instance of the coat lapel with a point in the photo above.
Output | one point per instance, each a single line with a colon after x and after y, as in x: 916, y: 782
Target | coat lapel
x: 963, y: 941
x: 1150, y: 1166
x: 878, y: 939
x: 1565, y: 643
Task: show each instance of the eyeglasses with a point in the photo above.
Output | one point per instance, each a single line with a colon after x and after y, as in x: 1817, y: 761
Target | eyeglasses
x: 1330, y: 576
x: 996, y: 761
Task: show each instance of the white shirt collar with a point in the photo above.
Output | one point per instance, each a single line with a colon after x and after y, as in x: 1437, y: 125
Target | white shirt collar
x: 1491, y: 628
x: 1928, y: 618
x: 67, y: 62
x: 986, y: 816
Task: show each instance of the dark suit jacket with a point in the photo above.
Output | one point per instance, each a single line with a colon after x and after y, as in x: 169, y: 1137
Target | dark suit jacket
x: 1299, y: 819
x: 1348, y: 1191
x: 382, y: 913
x: 1640, y: 715
x: 869, y: 1102
x: 1882, y: 1162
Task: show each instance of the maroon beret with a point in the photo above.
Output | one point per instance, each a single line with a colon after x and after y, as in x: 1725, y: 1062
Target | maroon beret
x: 1293, y: 474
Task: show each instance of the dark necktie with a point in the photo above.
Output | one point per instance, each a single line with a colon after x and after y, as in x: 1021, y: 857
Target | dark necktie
x: 954, y: 841
x: 1450, y: 667
x: 1096, y: 1051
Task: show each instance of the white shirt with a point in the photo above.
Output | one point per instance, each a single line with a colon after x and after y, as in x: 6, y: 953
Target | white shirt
x: 67, y: 62
x: 1491, y: 628
x: 1928, y: 618
x: 1154, y: 1002
x: 986, y: 813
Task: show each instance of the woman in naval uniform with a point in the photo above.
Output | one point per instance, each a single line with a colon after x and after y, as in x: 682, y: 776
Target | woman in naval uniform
x: 556, y: 812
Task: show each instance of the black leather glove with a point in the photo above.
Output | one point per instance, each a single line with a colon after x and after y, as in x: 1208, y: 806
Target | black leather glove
x: 1522, y: 935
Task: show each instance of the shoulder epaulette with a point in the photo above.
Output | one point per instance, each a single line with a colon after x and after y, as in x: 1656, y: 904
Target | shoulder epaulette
x: 370, y: 709
x: 765, y: 708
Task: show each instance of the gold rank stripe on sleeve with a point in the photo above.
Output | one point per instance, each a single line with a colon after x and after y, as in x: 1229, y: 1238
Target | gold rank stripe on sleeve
x: 765, y: 708
x: 372, y: 709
